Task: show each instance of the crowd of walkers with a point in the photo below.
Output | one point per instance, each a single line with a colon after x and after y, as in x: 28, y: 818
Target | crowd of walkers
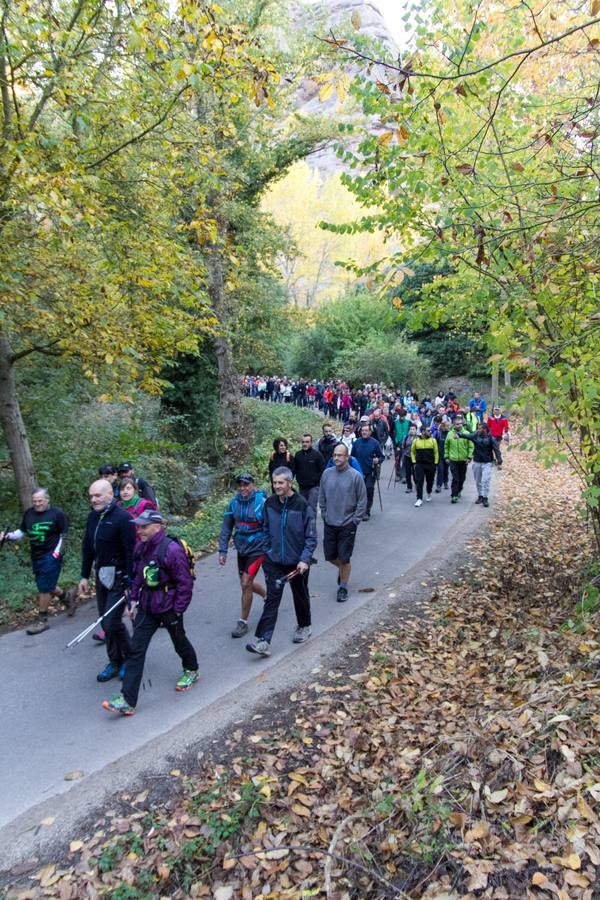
x: 144, y: 577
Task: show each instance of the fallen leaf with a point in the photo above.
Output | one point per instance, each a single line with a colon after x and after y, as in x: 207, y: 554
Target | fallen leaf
x: 73, y: 776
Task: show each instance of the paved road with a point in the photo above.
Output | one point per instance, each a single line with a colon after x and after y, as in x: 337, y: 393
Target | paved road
x: 52, y: 720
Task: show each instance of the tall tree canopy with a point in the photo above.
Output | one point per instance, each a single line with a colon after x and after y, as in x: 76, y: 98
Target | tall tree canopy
x: 485, y: 157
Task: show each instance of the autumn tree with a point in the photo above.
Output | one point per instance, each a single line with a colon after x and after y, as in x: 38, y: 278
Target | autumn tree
x: 93, y: 262
x: 484, y: 158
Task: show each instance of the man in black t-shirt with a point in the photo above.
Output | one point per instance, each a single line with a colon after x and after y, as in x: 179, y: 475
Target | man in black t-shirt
x: 46, y: 527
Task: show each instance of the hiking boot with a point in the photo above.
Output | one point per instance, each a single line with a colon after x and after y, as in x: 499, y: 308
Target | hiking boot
x: 438, y: 490
x: 122, y: 671
x: 110, y: 670
x: 342, y: 595
x: 479, y: 499
x: 69, y: 601
x: 240, y: 629
x: 118, y: 704
x: 301, y: 634
x: 419, y: 503
x: 38, y: 626
x: 453, y: 499
x: 366, y: 517
x: 187, y: 680
x: 485, y: 502
x: 263, y: 648
x: 99, y: 636
x: 408, y: 491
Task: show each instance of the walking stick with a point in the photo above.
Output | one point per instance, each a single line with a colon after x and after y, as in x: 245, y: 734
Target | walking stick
x: 377, y: 472
x: 90, y: 628
x: 284, y: 578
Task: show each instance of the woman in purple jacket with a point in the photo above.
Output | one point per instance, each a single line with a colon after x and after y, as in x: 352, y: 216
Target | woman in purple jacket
x: 161, y: 591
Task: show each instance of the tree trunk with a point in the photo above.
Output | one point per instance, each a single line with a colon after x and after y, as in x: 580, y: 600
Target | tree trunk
x: 13, y: 427
x: 230, y: 395
x: 494, y: 383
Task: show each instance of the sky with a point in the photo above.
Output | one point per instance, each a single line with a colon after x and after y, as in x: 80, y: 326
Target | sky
x: 393, y: 10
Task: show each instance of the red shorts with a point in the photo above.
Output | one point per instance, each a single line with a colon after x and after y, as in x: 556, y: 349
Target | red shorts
x: 250, y: 564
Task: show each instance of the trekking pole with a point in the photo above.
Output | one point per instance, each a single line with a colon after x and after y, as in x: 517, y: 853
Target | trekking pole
x: 378, y: 488
x: 90, y: 628
x: 285, y: 578
x: 393, y: 474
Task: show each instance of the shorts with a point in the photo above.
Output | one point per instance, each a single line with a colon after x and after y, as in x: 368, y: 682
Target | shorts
x: 46, y: 570
x: 249, y: 564
x: 338, y: 542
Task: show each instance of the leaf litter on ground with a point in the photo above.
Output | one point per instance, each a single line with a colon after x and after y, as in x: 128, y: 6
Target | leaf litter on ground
x: 459, y: 760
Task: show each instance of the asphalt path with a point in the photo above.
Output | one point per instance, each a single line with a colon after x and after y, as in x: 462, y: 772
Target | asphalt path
x: 54, y: 728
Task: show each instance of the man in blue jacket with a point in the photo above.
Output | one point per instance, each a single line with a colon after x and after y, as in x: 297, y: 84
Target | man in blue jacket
x: 289, y: 523
x: 370, y: 455
x: 244, y: 518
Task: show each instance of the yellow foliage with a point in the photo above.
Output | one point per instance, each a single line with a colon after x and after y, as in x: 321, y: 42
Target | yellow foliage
x: 299, y: 202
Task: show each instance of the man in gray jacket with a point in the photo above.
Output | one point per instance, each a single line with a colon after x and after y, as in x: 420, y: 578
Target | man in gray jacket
x: 343, y: 502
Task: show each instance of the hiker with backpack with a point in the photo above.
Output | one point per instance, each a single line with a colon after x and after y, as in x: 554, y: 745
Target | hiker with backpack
x: 244, y: 519
x: 161, y: 591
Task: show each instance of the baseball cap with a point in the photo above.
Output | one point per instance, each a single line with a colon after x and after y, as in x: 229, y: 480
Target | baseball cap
x: 245, y: 478
x: 149, y: 517
x: 124, y: 467
x: 364, y: 419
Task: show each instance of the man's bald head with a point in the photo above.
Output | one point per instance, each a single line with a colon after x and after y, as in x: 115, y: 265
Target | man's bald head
x: 101, y: 494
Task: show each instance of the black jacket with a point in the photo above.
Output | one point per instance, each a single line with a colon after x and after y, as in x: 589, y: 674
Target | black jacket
x: 485, y: 447
x: 109, y: 540
x: 326, y: 446
x: 309, y: 467
x: 278, y: 460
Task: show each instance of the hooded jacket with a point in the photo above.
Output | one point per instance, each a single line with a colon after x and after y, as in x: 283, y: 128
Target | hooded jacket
x: 290, y: 529
x: 175, y: 585
x: 456, y: 448
x: 246, y: 517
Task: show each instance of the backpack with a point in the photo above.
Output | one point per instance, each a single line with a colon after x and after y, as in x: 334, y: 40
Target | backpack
x: 161, y: 552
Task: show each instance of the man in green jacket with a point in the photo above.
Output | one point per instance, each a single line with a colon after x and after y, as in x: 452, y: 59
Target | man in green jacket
x: 458, y: 452
x: 401, y: 426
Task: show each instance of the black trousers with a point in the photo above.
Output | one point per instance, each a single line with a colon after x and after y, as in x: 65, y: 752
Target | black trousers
x: 117, y: 639
x: 458, y: 470
x: 442, y: 473
x: 408, y: 472
x: 370, y: 486
x: 299, y: 585
x: 424, y: 472
x: 145, y: 626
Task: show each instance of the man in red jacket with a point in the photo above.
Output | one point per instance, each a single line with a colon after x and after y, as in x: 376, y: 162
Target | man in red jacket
x: 498, y: 425
x: 160, y: 593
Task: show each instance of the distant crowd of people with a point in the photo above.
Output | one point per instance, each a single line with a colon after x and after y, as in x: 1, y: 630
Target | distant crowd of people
x: 144, y: 577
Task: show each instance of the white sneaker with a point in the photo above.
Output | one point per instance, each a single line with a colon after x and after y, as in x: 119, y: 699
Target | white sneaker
x: 428, y: 498
x: 302, y: 634
x: 419, y: 503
